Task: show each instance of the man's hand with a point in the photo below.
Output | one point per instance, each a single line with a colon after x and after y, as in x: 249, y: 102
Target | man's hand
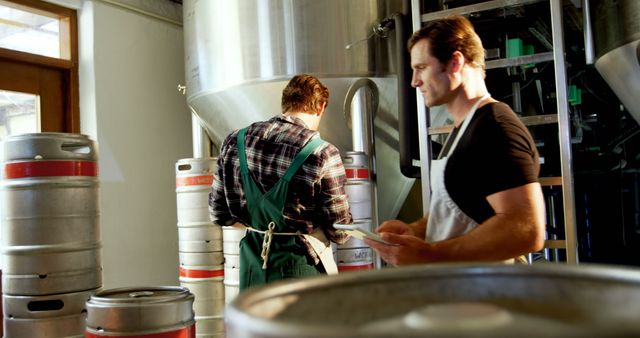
x: 397, y: 227
x: 407, y: 249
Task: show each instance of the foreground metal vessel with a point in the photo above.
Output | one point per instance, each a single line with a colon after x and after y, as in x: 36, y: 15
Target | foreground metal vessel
x: 446, y: 301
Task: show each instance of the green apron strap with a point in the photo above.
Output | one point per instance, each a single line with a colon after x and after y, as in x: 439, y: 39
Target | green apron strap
x: 241, y: 152
x: 302, y: 156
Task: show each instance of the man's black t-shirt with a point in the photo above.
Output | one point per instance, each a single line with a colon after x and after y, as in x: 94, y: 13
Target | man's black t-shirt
x: 495, y: 153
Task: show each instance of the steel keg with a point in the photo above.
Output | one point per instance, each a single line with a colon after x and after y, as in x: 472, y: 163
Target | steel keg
x: 231, y: 277
x: 147, y: 312
x: 354, y: 259
x: 356, y: 165
x: 203, y: 238
x: 61, y: 315
x: 194, y: 177
x: 51, y: 232
x: 231, y: 237
x: 446, y: 300
x: 358, y: 187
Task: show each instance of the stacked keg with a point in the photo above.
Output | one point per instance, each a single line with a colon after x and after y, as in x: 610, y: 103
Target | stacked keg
x: 355, y: 254
x: 200, y: 245
x: 231, y: 237
x: 51, y: 235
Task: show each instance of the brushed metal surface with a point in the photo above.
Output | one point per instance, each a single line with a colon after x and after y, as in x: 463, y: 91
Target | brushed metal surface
x: 616, y: 33
x: 539, y: 301
x: 139, y: 310
x: 51, y: 229
x: 239, y: 56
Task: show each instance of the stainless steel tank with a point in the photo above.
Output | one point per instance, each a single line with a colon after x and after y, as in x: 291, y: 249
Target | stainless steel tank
x: 446, y: 301
x: 616, y: 31
x: 240, y: 55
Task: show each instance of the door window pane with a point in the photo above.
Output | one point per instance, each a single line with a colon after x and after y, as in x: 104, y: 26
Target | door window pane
x: 29, y: 32
x: 19, y: 113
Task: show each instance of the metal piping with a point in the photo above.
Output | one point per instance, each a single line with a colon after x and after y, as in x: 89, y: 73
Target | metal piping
x: 564, y: 129
x: 362, y: 97
x: 201, y: 142
x: 588, y: 34
x: 407, y: 118
x: 423, y: 124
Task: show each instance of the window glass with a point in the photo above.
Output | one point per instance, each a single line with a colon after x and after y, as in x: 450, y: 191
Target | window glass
x: 29, y: 32
x: 19, y: 113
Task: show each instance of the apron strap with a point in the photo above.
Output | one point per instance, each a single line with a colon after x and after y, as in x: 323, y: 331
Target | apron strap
x: 301, y: 157
x: 241, y: 151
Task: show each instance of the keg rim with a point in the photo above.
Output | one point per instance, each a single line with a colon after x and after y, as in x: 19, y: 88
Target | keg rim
x: 269, y: 323
x: 140, y: 294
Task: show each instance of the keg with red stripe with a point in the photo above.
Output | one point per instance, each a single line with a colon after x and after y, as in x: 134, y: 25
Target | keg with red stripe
x: 358, y: 187
x: 354, y: 259
x: 356, y: 166
x: 201, y: 265
x: 51, y: 214
x: 149, y: 312
x: 203, y: 273
x: 194, y: 177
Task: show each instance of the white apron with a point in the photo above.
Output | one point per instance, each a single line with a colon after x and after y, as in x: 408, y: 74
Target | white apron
x: 446, y: 220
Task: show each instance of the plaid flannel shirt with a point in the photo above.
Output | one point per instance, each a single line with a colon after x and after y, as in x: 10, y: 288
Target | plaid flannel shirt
x: 316, y: 196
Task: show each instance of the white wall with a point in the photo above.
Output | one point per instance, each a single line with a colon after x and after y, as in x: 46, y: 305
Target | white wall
x: 130, y: 66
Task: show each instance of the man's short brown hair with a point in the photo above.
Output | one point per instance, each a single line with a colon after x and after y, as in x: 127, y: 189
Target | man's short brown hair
x: 304, y: 93
x: 450, y: 34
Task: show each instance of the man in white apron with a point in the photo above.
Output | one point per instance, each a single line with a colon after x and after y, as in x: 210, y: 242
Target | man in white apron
x: 486, y: 202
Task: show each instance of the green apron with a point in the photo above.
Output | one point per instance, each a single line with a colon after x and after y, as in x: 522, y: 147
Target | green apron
x: 287, y: 256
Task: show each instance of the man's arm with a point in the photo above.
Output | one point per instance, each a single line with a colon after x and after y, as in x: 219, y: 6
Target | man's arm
x: 333, y: 204
x: 218, y: 207
x: 517, y: 228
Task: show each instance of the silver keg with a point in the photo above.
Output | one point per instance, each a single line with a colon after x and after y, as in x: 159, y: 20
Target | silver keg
x: 61, y: 315
x: 359, y: 187
x: 140, y: 312
x: 51, y: 235
x: 202, y: 238
x: 454, y: 300
x: 356, y: 165
x: 200, y: 244
x: 351, y: 259
x: 194, y: 177
x: 231, y: 237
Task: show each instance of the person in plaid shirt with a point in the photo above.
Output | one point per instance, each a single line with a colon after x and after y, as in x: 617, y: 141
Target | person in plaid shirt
x: 287, y: 186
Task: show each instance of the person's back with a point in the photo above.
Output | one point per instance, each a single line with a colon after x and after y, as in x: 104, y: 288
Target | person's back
x: 271, y: 147
x: 286, y: 185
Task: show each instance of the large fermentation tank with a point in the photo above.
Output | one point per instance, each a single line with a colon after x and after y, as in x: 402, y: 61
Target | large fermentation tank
x: 240, y: 55
x: 616, y: 30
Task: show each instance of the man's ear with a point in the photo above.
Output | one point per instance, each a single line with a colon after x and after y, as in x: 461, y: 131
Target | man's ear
x: 321, y: 109
x: 456, y: 62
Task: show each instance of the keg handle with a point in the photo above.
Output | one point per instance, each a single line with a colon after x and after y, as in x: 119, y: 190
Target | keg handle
x: 76, y: 148
x: 139, y: 294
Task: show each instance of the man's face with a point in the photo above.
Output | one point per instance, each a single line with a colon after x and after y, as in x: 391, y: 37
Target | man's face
x: 430, y: 75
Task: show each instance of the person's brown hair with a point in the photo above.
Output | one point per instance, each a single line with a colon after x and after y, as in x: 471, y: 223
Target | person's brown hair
x: 304, y: 93
x: 450, y: 34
